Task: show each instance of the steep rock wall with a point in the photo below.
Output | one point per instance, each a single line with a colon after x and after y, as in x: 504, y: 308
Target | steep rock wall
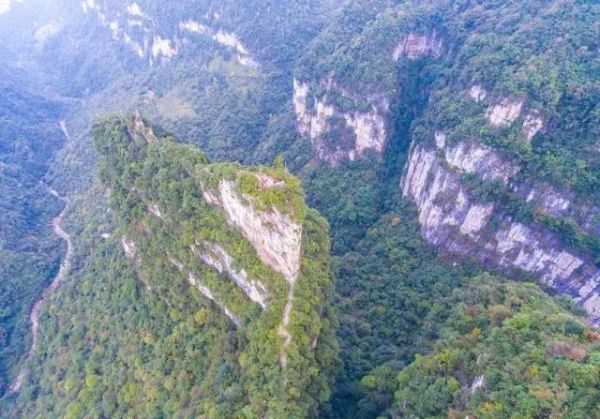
x: 343, y: 123
x: 358, y: 130
x: 418, y: 45
x: 215, y: 256
x: 275, y: 236
x: 461, y: 223
x: 144, y: 36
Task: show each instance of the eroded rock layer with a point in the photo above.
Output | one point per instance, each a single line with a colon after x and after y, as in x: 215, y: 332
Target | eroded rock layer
x: 462, y: 222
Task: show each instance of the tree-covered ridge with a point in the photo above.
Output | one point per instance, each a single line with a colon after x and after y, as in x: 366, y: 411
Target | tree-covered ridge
x: 180, y: 238
x: 506, y: 350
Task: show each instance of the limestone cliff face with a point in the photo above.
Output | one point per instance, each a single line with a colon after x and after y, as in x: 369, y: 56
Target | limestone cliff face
x: 416, y: 45
x: 353, y: 131
x: 149, y: 38
x: 275, y: 236
x: 215, y: 256
x: 503, y: 113
x: 462, y: 223
x: 342, y: 122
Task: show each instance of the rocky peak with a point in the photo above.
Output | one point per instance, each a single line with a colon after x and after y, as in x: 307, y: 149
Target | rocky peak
x: 141, y: 132
x: 231, y: 236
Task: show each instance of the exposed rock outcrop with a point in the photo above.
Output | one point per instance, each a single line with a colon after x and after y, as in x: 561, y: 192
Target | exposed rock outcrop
x: 231, y: 40
x: 504, y: 113
x: 414, y: 46
x: 459, y: 222
x: 205, y: 291
x: 154, y: 210
x: 275, y: 236
x: 137, y: 30
x: 478, y: 383
x: 471, y: 157
x: 344, y: 121
x: 532, y: 125
x: 215, y: 256
x: 128, y: 247
x: 358, y: 130
x: 477, y: 93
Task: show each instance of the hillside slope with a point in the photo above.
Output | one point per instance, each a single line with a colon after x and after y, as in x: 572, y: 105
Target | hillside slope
x: 246, y: 242
x: 29, y: 252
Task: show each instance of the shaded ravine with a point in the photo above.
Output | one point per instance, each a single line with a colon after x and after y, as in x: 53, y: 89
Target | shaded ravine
x: 65, y: 267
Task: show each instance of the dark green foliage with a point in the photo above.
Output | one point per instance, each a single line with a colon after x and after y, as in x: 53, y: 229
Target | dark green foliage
x: 544, y: 58
x: 29, y: 252
x: 507, y: 349
x: 392, y: 295
x: 123, y: 350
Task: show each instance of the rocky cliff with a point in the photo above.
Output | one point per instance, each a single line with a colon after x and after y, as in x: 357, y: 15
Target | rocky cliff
x: 338, y: 134
x: 157, y: 40
x: 503, y: 164
x: 484, y: 172
x: 464, y: 223
x: 241, y: 237
x: 343, y: 119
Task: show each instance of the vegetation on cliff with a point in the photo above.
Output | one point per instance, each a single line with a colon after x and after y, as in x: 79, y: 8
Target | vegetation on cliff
x: 137, y: 337
x: 159, y: 193
x: 505, y: 350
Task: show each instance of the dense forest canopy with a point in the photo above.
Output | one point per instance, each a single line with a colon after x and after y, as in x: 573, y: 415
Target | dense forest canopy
x: 328, y: 103
x: 29, y: 251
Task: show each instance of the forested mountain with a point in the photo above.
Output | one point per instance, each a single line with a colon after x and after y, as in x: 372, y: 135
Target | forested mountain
x: 451, y: 147
x: 248, y: 243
